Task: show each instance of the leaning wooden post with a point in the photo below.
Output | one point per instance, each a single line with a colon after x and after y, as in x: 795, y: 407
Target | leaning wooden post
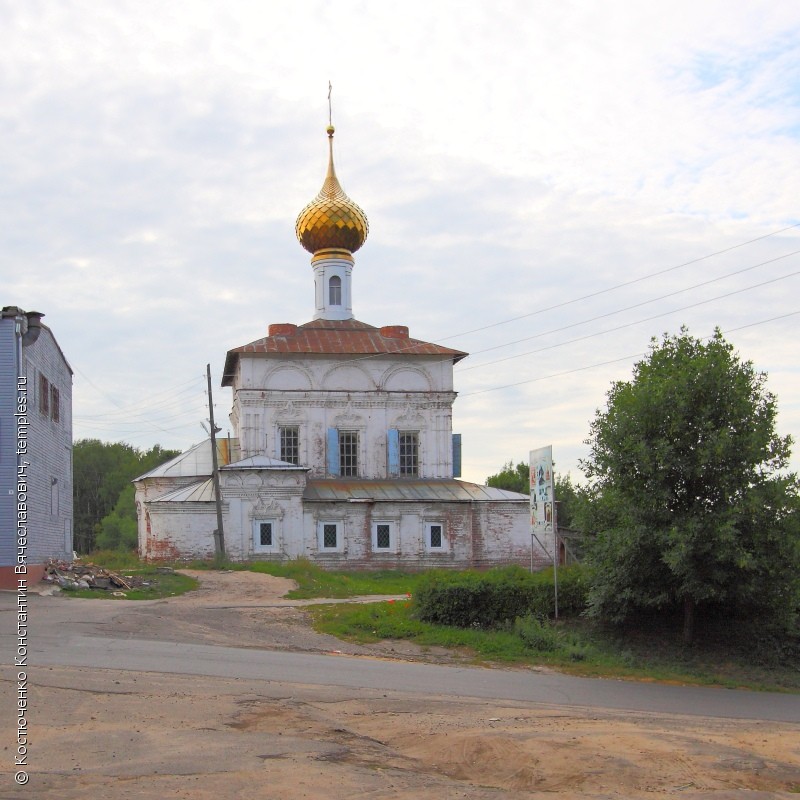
x: 219, y: 536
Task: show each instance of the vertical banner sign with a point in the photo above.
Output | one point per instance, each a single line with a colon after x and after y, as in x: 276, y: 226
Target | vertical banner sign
x: 541, y: 464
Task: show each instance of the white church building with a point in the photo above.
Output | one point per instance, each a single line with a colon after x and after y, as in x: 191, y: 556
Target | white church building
x: 343, y: 449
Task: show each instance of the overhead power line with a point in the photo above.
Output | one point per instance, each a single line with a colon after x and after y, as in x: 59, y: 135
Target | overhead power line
x: 630, y: 308
x: 400, y: 350
x: 620, y: 285
x: 612, y: 361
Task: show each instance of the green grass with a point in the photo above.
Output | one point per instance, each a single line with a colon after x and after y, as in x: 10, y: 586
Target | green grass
x: 313, y: 581
x: 373, y: 622
x: 161, y: 585
x: 114, y: 560
x: 574, y: 646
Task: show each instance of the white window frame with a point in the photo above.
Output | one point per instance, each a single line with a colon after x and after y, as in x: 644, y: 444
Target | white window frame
x: 428, y: 546
x: 335, y: 290
x: 392, y: 548
x: 279, y: 437
x: 402, y: 468
x: 339, y: 536
x: 350, y: 470
x: 264, y: 548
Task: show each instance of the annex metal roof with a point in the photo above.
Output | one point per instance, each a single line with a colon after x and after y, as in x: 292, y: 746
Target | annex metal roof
x: 200, y: 492
x: 405, y: 490
x: 263, y: 462
x: 336, y: 337
x: 196, y: 461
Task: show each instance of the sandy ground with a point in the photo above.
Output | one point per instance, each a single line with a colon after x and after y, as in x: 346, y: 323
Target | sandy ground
x: 121, y: 735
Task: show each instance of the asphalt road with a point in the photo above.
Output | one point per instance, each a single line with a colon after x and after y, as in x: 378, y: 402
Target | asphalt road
x: 358, y: 672
x: 59, y: 637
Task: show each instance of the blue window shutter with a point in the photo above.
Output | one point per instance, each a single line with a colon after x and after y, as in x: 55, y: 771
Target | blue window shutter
x: 333, y: 451
x: 456, y: 455
x: 394, y: 452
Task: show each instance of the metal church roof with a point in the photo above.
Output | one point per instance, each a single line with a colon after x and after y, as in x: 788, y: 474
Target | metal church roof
x: 336, y: 337
x: 405, y: 490
x: 201, y: 492
x: 263, y: 462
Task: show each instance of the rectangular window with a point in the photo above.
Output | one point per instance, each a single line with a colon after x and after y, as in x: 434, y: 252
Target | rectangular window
x: 434, y: 536
x: 383, y: 536
x: 290, y: 444
x: 456, y: 455
x: 409, y: 453
x: 55, y: 403
x: 330, y: 535
x: 44, y: 395
x: 348, y: 454
x: 265, y: 534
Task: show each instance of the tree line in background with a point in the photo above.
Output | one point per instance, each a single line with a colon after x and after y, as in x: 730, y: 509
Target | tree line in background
x: 689, y: 509
x: 103, y: 495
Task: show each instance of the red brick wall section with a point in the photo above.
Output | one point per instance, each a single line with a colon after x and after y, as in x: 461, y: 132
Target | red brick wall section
x: 157, y: 549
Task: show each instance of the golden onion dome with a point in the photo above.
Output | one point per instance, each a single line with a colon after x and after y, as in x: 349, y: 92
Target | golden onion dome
x: 331, y: 220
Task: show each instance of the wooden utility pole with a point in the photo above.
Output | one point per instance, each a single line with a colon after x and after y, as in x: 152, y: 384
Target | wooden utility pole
x: 219, y: 536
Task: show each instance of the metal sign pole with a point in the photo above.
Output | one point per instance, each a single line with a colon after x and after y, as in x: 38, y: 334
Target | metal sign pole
x: 556, y: 553
x: 532, y: 537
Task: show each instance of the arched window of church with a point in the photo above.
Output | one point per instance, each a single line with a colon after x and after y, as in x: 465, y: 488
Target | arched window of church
x: 335, y: 291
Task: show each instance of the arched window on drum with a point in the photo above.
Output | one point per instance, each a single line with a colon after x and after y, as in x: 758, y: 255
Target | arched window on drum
x: 335, y: 291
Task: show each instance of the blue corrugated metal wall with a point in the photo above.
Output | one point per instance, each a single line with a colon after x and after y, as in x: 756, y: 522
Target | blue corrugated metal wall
x: 8, y: 444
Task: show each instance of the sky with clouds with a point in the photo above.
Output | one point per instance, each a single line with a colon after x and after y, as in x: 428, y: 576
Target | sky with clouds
x: 548, y: 185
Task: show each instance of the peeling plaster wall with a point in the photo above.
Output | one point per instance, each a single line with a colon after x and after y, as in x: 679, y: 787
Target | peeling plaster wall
x: 179, y: 531
x: 502, y: 535
x: 315, y: 393
x: 273, y: 496
x: 370, y: 396
x: 150, y: 489
x: 474, y: 534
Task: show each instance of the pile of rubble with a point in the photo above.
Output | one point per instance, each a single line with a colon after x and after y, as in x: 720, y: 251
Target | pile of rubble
x: 75, y: 575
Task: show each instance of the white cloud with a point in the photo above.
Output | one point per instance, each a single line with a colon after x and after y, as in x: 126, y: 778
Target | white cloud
x: 510, y: 157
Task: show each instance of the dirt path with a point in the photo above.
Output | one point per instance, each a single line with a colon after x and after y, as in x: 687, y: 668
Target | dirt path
x: 248, y: 609
x: 125, y: 735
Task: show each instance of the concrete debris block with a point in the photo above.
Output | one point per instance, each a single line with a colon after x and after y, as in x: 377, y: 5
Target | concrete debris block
x: 90, y: 576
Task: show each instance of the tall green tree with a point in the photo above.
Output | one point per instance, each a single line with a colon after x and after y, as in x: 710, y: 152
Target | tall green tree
x: 689, y: 498
x: 512, y: 478
x: 119, y: 530
x: 101, y: 471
